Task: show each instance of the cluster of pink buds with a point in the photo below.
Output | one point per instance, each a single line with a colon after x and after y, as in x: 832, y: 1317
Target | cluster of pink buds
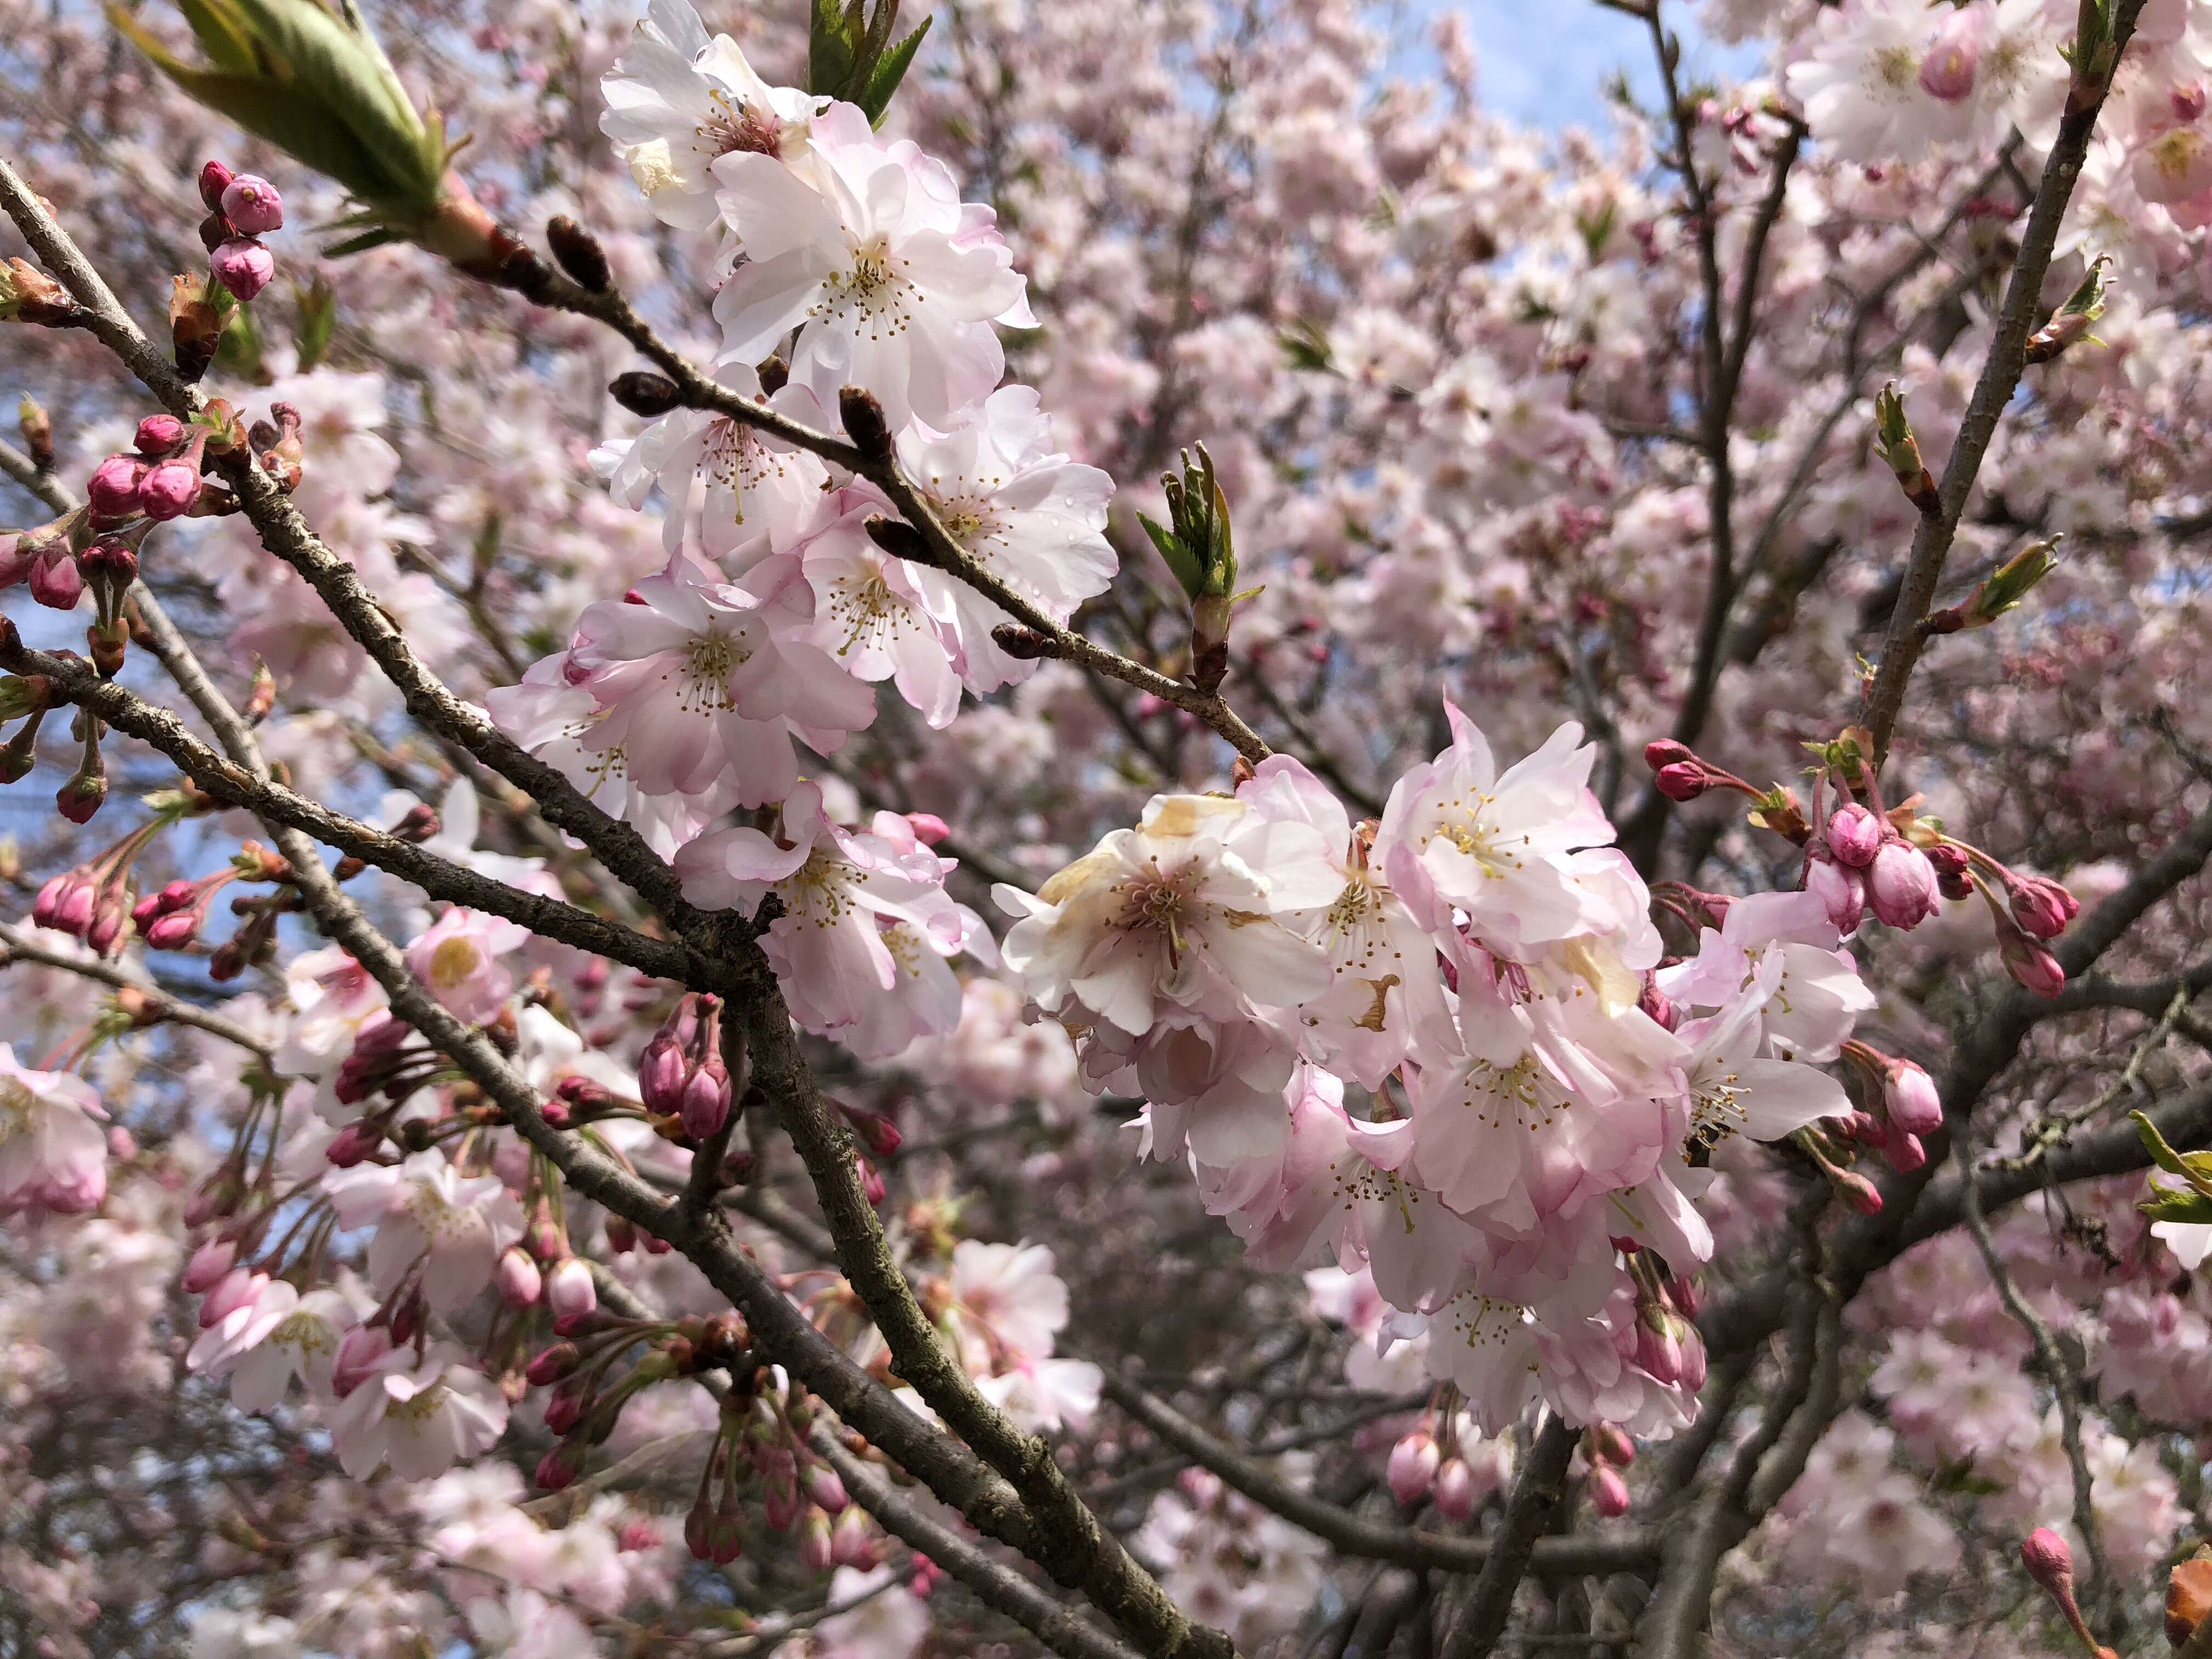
x: 1427, y: 1466
x: 93, y: 901
x: 1861, y: 861
x: 171, y: 920
x: 45, y: 556
x: 682, y: 1074
x: 1608, y: 1451
x: 241, y: 209
x: 1668, y: 1344
x: 1908, y: 1108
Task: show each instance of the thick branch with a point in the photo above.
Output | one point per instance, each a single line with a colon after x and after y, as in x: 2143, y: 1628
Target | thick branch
x: 285, y: 533
x: 235, y: 785
x: 1355, y: 1534
x: 1536, y: 1494
x: 996, y: 1585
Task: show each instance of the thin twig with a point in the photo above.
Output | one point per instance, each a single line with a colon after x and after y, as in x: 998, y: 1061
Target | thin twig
x: 1993, y: 390
x: 2065, y: 1383
x: 155, y: 1006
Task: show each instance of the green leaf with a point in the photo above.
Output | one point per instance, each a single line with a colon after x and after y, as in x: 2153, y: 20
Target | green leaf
x: 223, y: 36
x: 1188, y: 572
x: 383, y: 236
x: 348, y: 72
x: 2195, y: 1168
x: 891, y: 70
x: 270, y: 109
x: 831, y: 45
x: 318, y: 316
x: 2192, y: 1209
x: 238, y: 348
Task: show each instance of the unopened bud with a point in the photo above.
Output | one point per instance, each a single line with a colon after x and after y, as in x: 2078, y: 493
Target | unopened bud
x: 244, y: 266
x: 1412, y: 1467
x: 215, y: 178
x: 569, y: 1291
x: 644, y: 394
x: 579, y: 253
x: 1901, y: 885
x: 1455, y: 1490
x: 519, y: 1281
x: 252, y: 205
x: 361, y: 1351
x: 1608, y: 1492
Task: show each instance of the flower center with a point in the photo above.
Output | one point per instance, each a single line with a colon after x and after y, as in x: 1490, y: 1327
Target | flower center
x: 733, y: 126
x: 707, y: 666
x: 870, y: 296
x: 17, y: 1105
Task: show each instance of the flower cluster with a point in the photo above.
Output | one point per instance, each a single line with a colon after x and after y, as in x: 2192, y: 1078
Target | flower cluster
x: 1482, y: 966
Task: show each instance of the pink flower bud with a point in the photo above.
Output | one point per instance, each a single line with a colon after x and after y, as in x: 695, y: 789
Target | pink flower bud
x: 243, y: 266
x: 569, y: 1291
x: 779, y: 1503
x: 215, y: 178
x: 564, y: 1409
x: 173, y: 930
x: 56, y: 583
x: 928, y: 828
x: 850, y: 1544
x: 551, y: 1364
x: 2032, y: 966
x: 361, y: 1349
x: 814, y: 1546
x: 560, y: 1467
x: 1683, y: 781
x: 1908, y: 1095
x: 158, y: 435
x: 1658, y: 1004
x: 876, y: 1132
x: 1902, y: 1150
x: 167, y: 491
x: 1455, y: 1490
x: 236, y: 1289
x: 1854, y: 835
x: 1608, y: 1492
x: 252, y: 205
x: 356, y: 1143
x: 1901, y: 885
x: 122, y: 1145
x: 1861, y: 1195
x: 1946, y: 73
x: 1662, y: 752
x: 1659, y: 1344
x: 2042, y: 908
x: 1613, y: 1444
x: 2050, y: 1562
x: 871, y: 1181
x: 209, y: 1263
x: 519, y: 1281
x: 660, y: 1075
x: 65, y: 903
x: 706, y: 1101
x: 1412, y: 1467
x: 826, y: 1491
x: 113, y: 489
x: 1841, y: 891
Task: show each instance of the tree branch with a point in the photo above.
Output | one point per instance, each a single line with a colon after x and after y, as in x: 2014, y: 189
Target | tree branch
x: 1536, y: 1494
x: 2001, y: 372
x: 1355, y: 1534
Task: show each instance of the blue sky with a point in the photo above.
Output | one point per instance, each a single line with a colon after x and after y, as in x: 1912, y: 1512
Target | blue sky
x: 1546, y: 63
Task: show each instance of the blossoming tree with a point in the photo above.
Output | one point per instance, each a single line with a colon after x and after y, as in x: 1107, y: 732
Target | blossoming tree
x: 1083, y: 830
